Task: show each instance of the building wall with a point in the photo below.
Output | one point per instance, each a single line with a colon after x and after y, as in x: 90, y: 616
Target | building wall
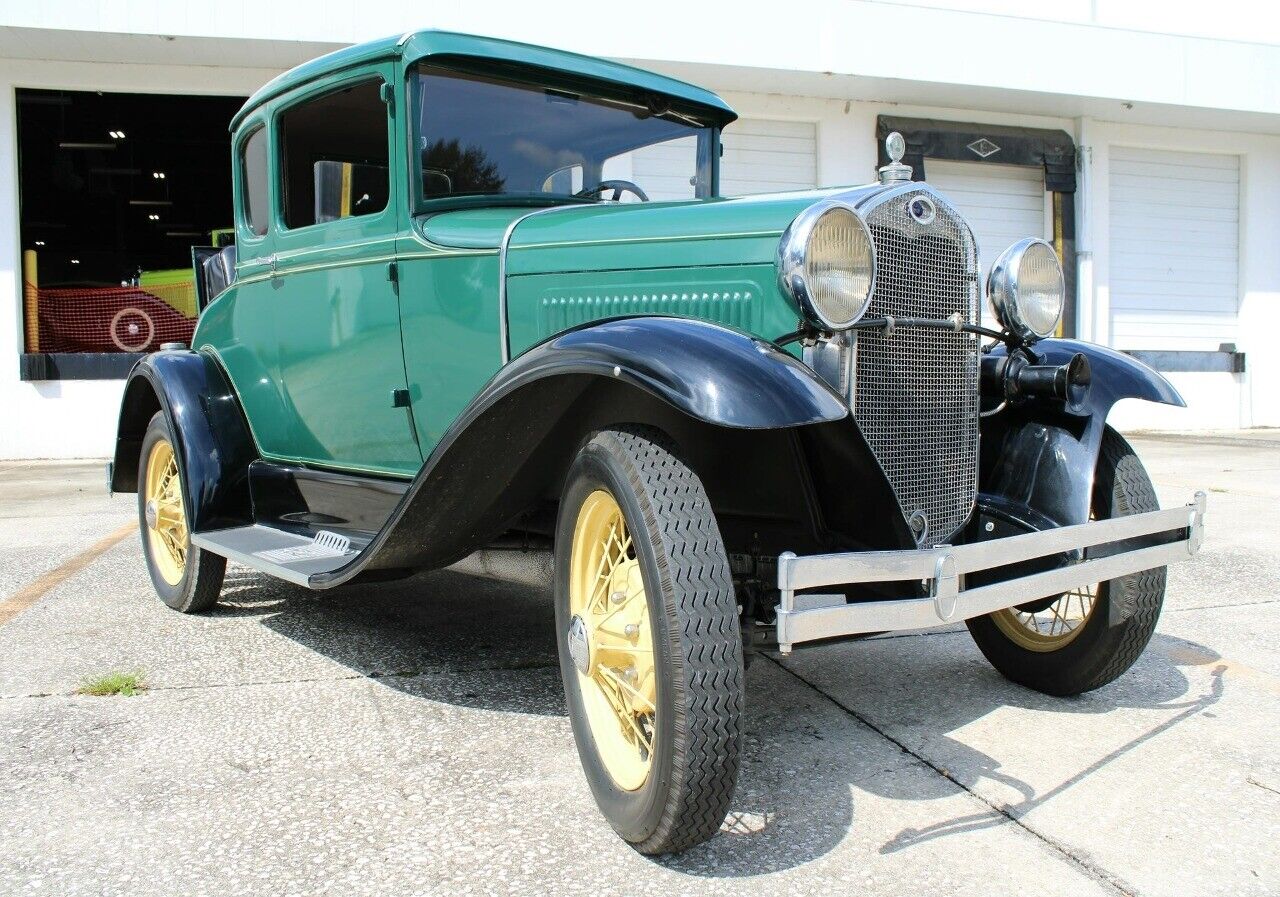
x: 70, y: 418
x: 77, y: 418
x: 1215, y: 400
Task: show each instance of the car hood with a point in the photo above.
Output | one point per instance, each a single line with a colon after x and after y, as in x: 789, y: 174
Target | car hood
x: 610, y: 236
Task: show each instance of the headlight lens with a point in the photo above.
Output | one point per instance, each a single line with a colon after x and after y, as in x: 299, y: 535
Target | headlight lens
x: 827, y: 265
x: 1027, y: 289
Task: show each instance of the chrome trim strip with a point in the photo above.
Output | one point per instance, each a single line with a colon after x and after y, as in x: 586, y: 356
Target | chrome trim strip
x: 942, y: 567
x: 504, y: 336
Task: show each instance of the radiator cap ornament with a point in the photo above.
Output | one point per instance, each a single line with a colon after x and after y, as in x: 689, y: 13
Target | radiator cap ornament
x: 895, y: 147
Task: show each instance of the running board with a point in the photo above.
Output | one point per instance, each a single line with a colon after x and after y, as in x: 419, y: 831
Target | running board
x: 285, y: 555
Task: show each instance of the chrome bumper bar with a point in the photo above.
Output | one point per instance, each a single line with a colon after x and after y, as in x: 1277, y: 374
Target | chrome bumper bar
x: 942, y: 570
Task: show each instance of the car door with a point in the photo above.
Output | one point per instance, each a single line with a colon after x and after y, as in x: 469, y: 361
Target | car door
x: 336, y: 306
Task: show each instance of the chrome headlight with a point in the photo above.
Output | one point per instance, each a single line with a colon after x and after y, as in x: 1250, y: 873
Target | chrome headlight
x: 1027, y: 289
x: 827, y: 265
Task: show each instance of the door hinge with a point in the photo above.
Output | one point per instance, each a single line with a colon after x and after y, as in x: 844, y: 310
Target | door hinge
x: 393, y: 273
x: 400, y: 398
x: 387, y: 93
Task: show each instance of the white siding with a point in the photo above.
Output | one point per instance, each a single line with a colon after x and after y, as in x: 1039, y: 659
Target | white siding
x: 768, y: 157
x: 1003, y: 204
x: 1175, y: 221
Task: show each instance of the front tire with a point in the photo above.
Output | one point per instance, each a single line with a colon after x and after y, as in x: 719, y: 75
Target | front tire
x: 186, y: 578
x: 1070, y: 645
x: 650, y: 648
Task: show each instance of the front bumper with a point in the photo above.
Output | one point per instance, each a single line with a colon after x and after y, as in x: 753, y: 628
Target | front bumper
x: 942, y: 570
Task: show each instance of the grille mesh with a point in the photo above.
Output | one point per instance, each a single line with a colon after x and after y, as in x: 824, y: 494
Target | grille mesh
x: 916, y: 396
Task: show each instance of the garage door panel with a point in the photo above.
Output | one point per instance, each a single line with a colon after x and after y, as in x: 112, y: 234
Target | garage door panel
x: 1174, y: 260
x: 1178, y: 158
x: 777, y: 171
x: 1134, y: 175
x: 1206, y: 237
x: 1002, y: 203
x: 1186, y: 269
x: 797, y: 145
x: 1177, y: 207
x: 763, y: 156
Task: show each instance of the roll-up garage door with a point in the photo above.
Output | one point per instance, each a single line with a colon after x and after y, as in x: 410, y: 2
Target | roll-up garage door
x: 768, y: 156
x: 759, y: 157
x: 1174, y: 249
x: 1002, y: 203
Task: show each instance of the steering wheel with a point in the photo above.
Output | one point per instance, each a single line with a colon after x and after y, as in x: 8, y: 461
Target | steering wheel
x: 618, y: 186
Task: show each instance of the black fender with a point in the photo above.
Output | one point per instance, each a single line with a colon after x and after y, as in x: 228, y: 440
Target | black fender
x: 513, y: 442
x: 212, y: 439
x: 1039, y: 455
x: 717, y: 375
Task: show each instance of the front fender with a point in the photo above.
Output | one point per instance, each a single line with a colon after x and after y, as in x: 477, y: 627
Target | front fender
x: 211, y: 438
x: 717, y: 375
x: 1040, y: 455
x: 513, y: 442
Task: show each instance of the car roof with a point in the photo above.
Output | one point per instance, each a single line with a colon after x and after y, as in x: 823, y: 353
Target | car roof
x: 418, y: 45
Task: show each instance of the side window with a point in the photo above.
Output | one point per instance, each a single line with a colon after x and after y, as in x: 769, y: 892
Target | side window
x: 334, y: 156
x: 253, y: 168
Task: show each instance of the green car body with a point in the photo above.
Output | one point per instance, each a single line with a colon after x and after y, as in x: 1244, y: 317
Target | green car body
x: 711, y: 425
x: 273, y: 329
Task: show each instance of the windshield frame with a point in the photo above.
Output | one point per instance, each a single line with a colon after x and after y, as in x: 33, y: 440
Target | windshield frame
x: 536, y: 77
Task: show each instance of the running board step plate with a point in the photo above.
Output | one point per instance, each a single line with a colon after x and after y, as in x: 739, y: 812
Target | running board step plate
x: 285, y: 555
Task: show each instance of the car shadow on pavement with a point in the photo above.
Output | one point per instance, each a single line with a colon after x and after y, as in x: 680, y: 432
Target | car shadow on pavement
x: 812, y: 747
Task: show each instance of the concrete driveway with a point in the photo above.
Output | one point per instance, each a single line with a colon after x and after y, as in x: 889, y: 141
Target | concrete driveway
x: 410, y: 738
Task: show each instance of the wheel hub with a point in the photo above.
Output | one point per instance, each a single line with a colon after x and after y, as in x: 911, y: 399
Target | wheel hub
x: 152, y: 513
x: 579, y: 645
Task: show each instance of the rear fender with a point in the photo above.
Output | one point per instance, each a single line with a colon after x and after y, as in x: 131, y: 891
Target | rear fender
x: 211, y: 438
x: 1041, y: 455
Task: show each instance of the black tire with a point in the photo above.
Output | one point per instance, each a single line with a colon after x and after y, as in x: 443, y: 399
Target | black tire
x: 697, y: 645
x: 201, y: 580
x: 1102, y: 651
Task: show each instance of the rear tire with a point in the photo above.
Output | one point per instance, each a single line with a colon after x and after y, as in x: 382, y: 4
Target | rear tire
x: 640, y: 564
x: 1096, y: 652
x: 186, y: 577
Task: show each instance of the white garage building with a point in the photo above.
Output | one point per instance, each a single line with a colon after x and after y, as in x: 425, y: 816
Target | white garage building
x: 1151, y: 158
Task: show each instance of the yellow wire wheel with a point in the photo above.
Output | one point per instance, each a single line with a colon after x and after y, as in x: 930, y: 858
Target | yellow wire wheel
x: 1051, y: 628
x: 610, y: 641
x: 165, y: 517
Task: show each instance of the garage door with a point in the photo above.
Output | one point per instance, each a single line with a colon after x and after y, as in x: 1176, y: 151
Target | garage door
x: 759, y: 157
x: 768, y: 156
x: 1174, y: 249
x: 1003, y: 204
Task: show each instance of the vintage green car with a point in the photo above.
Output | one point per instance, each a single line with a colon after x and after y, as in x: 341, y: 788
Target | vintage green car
x: 487, y: 310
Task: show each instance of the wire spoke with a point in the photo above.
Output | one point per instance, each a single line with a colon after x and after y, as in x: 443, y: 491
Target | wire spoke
x: 627, y: 687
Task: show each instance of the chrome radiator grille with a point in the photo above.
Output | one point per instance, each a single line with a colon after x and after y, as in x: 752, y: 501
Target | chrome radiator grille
x: 916, y: 389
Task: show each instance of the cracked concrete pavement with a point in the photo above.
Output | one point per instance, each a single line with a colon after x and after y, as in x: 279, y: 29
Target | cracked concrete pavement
x: 410, y: 738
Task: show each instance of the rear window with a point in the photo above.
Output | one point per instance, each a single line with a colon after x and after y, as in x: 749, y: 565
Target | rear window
x: 253, y: 167
x: 334, y: 156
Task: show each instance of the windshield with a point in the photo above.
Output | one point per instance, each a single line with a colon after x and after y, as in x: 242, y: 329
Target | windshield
x: 479, y: 135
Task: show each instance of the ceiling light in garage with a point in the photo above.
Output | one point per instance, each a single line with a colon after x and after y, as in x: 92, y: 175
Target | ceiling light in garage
x: 75, y: 261
x: 154, y: 217
x: 159, y: 175
x: 39, y: 242
x: 116, y: 135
